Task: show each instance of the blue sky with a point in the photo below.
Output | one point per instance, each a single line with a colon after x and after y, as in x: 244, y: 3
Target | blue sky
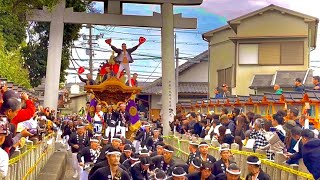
x: 211, y: 14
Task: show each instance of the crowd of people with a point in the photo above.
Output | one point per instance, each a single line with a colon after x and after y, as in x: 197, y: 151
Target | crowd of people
x: 20, y: 121
x: 288, y: 132
x: 98, y: 154
x: 103, y: 149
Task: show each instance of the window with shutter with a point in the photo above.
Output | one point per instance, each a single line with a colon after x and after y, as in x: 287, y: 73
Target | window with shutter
x: 221, y: 77
x: 292, y: 53
x: 269, y: 53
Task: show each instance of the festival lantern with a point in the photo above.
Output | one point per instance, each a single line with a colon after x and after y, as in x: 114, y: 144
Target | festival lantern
x: 312, y: 106
x: 243, y: 100
x: 294, y: 99
x: 205, y: 106
x: 211, y: 106
x: 277, y: 102
x: 186, y: 107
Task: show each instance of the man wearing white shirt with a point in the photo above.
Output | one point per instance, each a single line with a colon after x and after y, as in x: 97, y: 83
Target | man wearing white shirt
x: 4, y: 159
x: 98, y: 119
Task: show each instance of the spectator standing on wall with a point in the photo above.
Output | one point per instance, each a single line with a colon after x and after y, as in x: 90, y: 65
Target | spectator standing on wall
x: 225, y: 90
x: 277, y: 89
x: 299, y: 87
x: 316, y: 82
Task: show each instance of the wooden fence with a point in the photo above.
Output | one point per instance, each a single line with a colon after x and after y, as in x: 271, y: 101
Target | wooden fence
x: 277, y: 169
x: 27, y: 162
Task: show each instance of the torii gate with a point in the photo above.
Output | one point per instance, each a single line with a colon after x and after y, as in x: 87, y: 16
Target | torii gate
x: 113, y: 16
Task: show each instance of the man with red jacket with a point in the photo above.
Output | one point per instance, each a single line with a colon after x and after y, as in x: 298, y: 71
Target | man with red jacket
x: 23, y: 114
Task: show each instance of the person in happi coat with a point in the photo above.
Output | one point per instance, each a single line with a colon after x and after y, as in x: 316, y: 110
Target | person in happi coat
x: 194, y: 152
x: 115, y: 143
x: 90, y: 155
x: 142, y: 136
x: 98, y: 119
x: 126, y: 154
x: 134, y: 158
x: 204, y: 174
x: 178, y: 173
x: 112, y: 171
x: 153, y: 140
x: 221, y: 165
x: 255, y: 171
x: 233, y: 172
x: 111, y: 119
x: 194, y: 166
x: 165, y: 162
x: 77, y: 142
x: 159, y: 150
x: 123, y: 120
x: 203, y: 153
x: 139, y: 170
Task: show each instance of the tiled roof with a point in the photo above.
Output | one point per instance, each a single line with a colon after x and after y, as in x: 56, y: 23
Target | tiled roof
x: 284, y: 78
x: 184, y: 87
x: 262, y: 80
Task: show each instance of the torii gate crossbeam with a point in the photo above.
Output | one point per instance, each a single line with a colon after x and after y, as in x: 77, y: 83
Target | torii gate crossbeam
x: 166, y: 20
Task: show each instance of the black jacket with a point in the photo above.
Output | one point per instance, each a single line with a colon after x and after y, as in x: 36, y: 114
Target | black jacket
x: 210, y: 158
x: 262, y: 176
x: 219, y: 167
x: 137, y: 172
x: 192, y: 156
x: 101, y: 165
x: 197, y: 176
x: 83, y: 142
x: 111, y: 119
x: 119, y: 51
x: 87, y: 155
x: 311, y: 157
x: 105, y: 174
x: 123, y: 118
x: 151, y: 143
x: 159, y: 163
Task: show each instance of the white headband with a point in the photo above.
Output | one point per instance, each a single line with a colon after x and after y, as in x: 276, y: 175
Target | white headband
x: 179, y: 175
x: 160, y: 179
x: 114, y: 152
x: 234, y: 173
x: 116, y: 139
x: 94, y: 140
x: 193, y: 143
x: 202, y: 145
x: 257, y: 163
x: 195, y: 165
x: 168, y: 150
x: 224, y: 149
x: 135, y: 159
x: 126, y: 150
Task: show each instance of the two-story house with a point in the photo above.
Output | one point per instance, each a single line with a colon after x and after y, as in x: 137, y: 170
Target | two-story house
x: 248, y: 52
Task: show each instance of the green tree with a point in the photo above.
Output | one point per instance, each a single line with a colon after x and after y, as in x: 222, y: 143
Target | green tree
x: 35, y: 53
x: 13, y: 26
x: 11, y: 65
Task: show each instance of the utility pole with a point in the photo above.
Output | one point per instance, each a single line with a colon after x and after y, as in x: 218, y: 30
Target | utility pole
x: 90, y: 50
x: 91, y: 42
x: 177, y: 67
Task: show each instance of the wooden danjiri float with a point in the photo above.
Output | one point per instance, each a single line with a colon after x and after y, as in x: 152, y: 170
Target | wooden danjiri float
x: 268, y: 104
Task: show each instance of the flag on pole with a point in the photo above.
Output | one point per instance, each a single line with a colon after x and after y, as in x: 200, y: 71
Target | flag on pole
x: 133, y: 115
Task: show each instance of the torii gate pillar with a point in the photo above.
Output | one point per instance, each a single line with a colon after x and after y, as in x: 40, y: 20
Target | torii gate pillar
x: 51, y: 94
x: 168, y: 98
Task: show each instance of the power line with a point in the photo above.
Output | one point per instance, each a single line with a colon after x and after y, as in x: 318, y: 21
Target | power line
x: 153, y: 71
